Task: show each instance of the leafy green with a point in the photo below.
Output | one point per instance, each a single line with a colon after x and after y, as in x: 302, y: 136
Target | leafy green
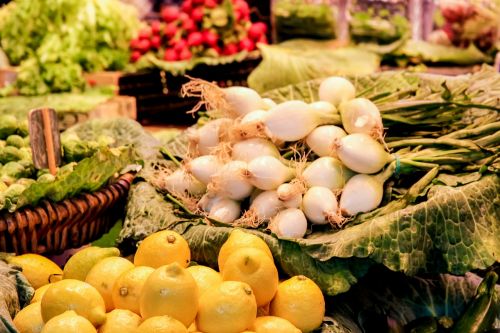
x: 365, y: 26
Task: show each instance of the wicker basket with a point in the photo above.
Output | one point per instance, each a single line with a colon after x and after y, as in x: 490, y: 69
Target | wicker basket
x: 52, y: 228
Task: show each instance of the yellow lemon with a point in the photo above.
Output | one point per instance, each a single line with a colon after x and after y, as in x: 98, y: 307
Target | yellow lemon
x: 120, y: 321
x: 68, y: 322
x: 300, y: 301
x: 228, y: 308
x: 192, y: 327
x: 38, y: 270
x: 170, y: 290
x: 161, y: 324
x: 270, y: 324
x: 104, y: 274
x: 75, y: 295
x: 82, y: 262
x: 254, y: 267
x: 29, y: 319
x: 206, y: 278
x: 163, y: 248
x: 39, y: 293
x: 239, y: 239
x: 127, y: 289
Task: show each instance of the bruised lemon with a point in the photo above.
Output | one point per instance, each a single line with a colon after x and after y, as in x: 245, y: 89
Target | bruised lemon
x: 163, y: 248
x: 82, y: 262
x: 104, y: 274
x: 37, y: 269
x: 39, y: 293
x: 68, y: 322
x: 29, y: 319
x: 239, y: 239
x: 206, y: 278
x: 120, y: 321
x: 75, y: 295
x: 254, y: 267
x: 300, y: 301
x: 228, y: 308
x: 161, y: 324
x: 170, y: 290
x: 270, y: 324
x: 128, y: 287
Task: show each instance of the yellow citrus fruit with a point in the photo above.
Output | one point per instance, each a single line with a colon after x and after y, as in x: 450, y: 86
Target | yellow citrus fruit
x: 29, y: 319
x: 300, y: 301
x: 170, y: 290
x: 127, y: 288
x: 82, y: 262
x: 38, y: 270
x: 39, y: 293
x: 270, y: 324
x: 228, y: 308
x: 255, y: 268
x: 68, y: 322
x: 239, y: 239
x: 161, y: 324
x: 104, y: 275
x: 192, y: 327
x: 206, y: 278
x: 163, y: 248
x: 75, y: 295
x: 120, y: 321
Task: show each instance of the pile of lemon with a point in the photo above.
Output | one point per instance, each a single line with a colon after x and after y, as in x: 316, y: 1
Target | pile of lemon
x: 99, y: 291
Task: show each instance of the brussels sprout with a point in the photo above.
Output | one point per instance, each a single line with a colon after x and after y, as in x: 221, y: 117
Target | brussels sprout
x: 15, y: 140
x: 27, y: 141
x: 46, y: 178
x: 11, y: 195
x: 23, y: 129
x: 25, y: 181
x: 66, y: 169
x: 9, y: 153
x: 8, y: 125
x: 3, y: 187
x: 3, y: 143
x: 14, y: 170
x: 26, y: 154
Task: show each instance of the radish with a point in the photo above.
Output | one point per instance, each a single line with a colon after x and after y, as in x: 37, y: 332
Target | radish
x: 170, y: 13
x: 155, y: 42
x: 134, y: 43
x: 230, y: 49
x: 246, y: 44
x: 197, y: 14
x: 145, y: 33
x: 185, y: 54
x: 170, y: 30
x: 257, y: 30
x: 195, y: 39
x: 180, y: 45
x: 198, y: 2
x: 210, y: 3
x: 210, y: 38
x: 170, y: 55
x: 187, y: 6
x: 189, y: 25
x: 156, y: 27
x: 136, y: 55
x: 144, y: 46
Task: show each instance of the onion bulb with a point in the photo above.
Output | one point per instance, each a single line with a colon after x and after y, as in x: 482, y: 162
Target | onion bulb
x: 294, y: 120
x: 290, y: 194
x: 268, y: 103
x: 326, y: 172
x: 336, y: 90
x: 265, y: 205
x: 361, y: 153
x: 267, y: 172
x: 360, y: 115
x: 320, y: 206
x: 225, y: 210
x: 207, y: 201
x: 323, y: 107
x: 204, y: 167
x: 289, y: 223
x: 231, y: 182
x: 207, y: 137
x: 256, y: 116
x: 323, y: 138
x: 180, y: 182
x: 243, y: 100
x: 249, y: 149
x: 362, y: 193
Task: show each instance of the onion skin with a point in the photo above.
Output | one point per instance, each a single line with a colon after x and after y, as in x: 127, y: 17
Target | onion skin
x: 225, y: 211
x: 322, y: 140
x: 320, y: 206
x: 251, y: 149
x: 363, y: 154
x: 336, y: 90
x: 327, y: 172
x: 243, y: 100
x: 361, y: 194
x: 360, y: 115
x: 290, y: 121
x: 231, y: 182
x: 290, y: 223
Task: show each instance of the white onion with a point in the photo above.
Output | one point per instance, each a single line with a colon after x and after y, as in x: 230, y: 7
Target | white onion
x: 242, y: 99
x: 323, y: 138
x: 225, y: 210
x: 180, y: 182
x: 204, y: 167
x: 208, y: 200
x: 266, y: 205
x: 267, y: 172
x: 289, y: 195
x: 361, y: 153
x: 336, y: 90
x: 231, y: 182
x: 268, y: 103
x: 362, y: 193
x: 327, y: 172
x: 289, y: 223
x: 320, y: 206
x: 255, y: 193
x: 207, y: 137
x: 256, y: 116
x: 360, y: 115
x: 249, y: 149
x: 323, y: 107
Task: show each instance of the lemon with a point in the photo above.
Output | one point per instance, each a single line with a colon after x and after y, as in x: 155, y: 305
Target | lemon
x: 228, y: 308
x: 29, y: 319
x: 75, y: 295
x: 240, y: 239
x: 127, y: 288
x: 161, y: 324
x: 104, y: 274
x: 39, y: 293
x: 68, y: 322
x: 300, y: 301
x: 192, y: 327
x: 270, y: 324
x: 163, y: 248
x: 254, y: 267
x: 170, y: 290
x: 120, y: 321
x: 81, y: 262
x: 206, y: 278
x: 38, y: 270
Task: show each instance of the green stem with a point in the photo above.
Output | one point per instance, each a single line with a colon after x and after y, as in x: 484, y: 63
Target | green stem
x: 178, y: 203
x: 419, y: 165
x: 435, y: 142
x: 489, y: 140
x: 474, y: 131
x: 171, y: 157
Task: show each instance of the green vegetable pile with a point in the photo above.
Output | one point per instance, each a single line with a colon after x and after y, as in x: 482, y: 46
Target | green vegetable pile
x: 54, y: 42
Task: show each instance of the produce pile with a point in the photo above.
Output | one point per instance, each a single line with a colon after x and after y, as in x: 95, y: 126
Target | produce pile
x: 158, y: 292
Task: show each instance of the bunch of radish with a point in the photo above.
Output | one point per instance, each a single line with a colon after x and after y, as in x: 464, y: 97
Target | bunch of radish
x: 200, y: 28
x: 238, y: 172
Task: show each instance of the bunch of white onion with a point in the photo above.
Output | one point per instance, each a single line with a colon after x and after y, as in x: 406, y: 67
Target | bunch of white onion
x: 236, y: 160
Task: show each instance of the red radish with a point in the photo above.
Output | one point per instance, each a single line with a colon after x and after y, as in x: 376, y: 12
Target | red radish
x: 170, y: 13
x: 136, y: 55
x: 257, y: 30
x: 156, y: 27
x: 145, y: 33
x: 170, y: 30
x: 230, y: 49
x: 263, y: 40
x: 189, y: 25
x: 242, y: 11
x: 144, y: 45
x: 180, y: 45
x: 134, y: 43
x: 197, y: 14
x: 247, y: 44
x: 210, y: 3
x: 187, y: 6
x: 198, y: 2
x: 210, y: 38
x: 185, y: 54
x: 195, y: 39
x: 155, y: 42
x: 170, y: 55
